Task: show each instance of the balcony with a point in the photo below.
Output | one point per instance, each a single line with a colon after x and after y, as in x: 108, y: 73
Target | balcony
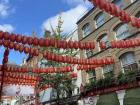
x: 109, y: 84
x: 130, y: 67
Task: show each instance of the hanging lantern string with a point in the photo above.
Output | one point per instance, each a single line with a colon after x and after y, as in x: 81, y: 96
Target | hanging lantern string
x: 20, y: 69
x: 3, y: 68
x: 88, y: 67
x: 114, y: 10
x: 20, y: 84
x: 47, y: 42
x: 11, y: 81
x: 129, y: 43
x: 21, y: 76
x: 54, y: 57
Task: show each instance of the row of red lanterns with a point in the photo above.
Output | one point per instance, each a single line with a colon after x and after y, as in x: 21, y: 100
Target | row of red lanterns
x: 38, y: 70
x: 54, y: 57
x: 117, y: 12
x: 5, y: 56
x: 14, y: 72
x: 81, y: 61
x: 88, y: 67
x: 126, y: 43
x: 19, y: 84
x: 28, y: 77
x: 21, y: 76
x: 12, y: 81
x: 19, y: 47
x: 73, y: 75
x: 47, y: 42
x: 53, y: 70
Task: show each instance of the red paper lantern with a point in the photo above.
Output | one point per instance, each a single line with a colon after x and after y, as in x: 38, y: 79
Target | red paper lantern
x: 5, y: 60
x: 16, y: 47
x: 92, y: 46
x: 30, y: 40
x: 87, y: 44
x: 24, y: 39
x: 19, y: 38
x: 1, y: 42
x: 41, y: 42
x: 47, y: 42
x: 35, y: 41
x: 80, y: 45
x: 11, y: 45
x: 6, y: 35
x: 32, y: 51
x: 70, y: 44
x: 49, y: 56
x: 52, y: 42
x: 1, y: 35
x: 21, y: 48
x: 13, y: 37
x: 26, y: 50
x: 102, y: 45
x: 6, y: 43
x: 36, y: 52
x: 45, y: 53
x: 76, y: 45
x: 58, y: 44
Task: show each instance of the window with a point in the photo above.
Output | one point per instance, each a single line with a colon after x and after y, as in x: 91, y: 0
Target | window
x: 86, y: 29
x: 92, y: 75
x: 89, y: 53
x: 104, y: 39
x: 138, y: 15
x: 128, y: 61
x: 122, y: 31
x: 99, y: 20
x: 119, y: 3
x: 108, y: 70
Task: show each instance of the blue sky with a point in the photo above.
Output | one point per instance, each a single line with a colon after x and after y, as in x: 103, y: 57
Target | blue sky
x: 26, y: 16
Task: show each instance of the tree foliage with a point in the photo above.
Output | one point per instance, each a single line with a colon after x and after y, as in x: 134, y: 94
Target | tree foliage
x: 61, y: 82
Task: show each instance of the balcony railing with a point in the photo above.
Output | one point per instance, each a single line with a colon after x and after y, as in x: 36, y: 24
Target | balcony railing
x: 107, y: 85
x: 130, y: 67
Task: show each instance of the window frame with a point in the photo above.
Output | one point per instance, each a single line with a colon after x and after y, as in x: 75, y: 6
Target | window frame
x: 86, y: 29
x: 90, y: 52
x: 108, y: 72
x: 129, y: 66
x: 101, y: 39
x: 93, y: 73
x: 119, y: 3
x: 102, y: 20
x: 124, y: 34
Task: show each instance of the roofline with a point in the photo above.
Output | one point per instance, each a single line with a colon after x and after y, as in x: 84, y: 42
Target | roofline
x: 83, y: 17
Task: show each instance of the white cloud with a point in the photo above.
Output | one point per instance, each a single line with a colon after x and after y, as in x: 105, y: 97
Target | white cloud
x: 5, y: 8
x: 69, y: 17
x: 77, y: 2
x: 6, y: 28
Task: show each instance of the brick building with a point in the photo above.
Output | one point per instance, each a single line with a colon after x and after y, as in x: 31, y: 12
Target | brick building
x: 99, y: 26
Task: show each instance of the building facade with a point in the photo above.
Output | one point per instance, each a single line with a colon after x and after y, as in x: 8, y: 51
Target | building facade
x: 99, y: 26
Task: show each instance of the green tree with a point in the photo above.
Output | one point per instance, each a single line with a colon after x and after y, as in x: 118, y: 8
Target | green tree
x: 61, y: 82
